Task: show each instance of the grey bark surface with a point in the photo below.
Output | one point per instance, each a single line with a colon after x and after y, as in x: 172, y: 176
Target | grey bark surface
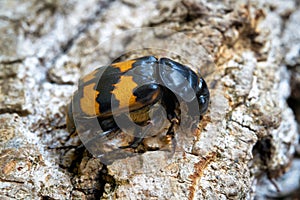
x: 245, y: 144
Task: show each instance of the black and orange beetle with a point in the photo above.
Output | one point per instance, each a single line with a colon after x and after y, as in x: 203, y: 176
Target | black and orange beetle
x: 135, y: 96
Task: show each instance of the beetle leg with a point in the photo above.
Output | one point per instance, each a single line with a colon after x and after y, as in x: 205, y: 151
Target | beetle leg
x: 140, y: 135
x: 136, y: 140
x: 134, y: 144
x: 102, y: 136
x: 170, y: 135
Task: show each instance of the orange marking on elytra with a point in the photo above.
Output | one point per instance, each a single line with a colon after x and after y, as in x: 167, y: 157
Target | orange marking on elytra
x: 88, y: 102
x: 123, y: 91
x: 124, y: 66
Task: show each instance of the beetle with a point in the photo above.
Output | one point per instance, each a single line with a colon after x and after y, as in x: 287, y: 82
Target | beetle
x: 137, y: 96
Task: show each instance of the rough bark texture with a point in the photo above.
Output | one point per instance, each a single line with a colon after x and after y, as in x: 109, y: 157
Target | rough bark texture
x: 245, y: 145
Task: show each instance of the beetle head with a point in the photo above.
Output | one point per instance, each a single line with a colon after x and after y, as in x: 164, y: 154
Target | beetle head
x: 202, y: 95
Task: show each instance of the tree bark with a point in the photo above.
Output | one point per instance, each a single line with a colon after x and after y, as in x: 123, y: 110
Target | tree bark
x: 244, y: 146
